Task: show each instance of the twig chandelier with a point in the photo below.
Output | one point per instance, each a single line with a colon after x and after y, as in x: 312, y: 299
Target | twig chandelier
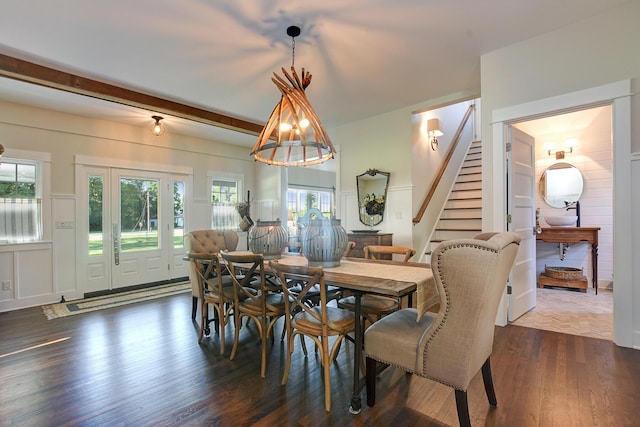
x: 293, y: 135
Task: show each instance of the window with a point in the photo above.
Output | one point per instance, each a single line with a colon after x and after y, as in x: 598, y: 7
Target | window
x: 300, y: 200
x: 178, y: 214
x: 20, y: 202
x: 224, y: 198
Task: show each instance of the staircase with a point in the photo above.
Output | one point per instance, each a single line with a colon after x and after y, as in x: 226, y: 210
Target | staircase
x: 462, y: 214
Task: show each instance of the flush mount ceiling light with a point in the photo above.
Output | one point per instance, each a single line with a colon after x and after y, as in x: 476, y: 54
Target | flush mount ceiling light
x: 158, y: 128
x: 293, y: 135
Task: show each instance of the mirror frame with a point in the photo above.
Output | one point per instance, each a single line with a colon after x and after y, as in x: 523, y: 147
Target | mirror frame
x: 566, y: 201
x: 372, y: 196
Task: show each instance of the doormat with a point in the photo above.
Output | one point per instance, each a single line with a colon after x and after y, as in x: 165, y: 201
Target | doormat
x: 70, y: 308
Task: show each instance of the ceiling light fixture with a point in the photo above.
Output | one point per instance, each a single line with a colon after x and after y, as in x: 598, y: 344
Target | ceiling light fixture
x: 158, y: 128
x: 293, y: 135
x: 433, y: 131
x: 569, y: 145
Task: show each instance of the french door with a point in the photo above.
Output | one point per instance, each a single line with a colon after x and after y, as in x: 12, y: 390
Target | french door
x: 130, y: 228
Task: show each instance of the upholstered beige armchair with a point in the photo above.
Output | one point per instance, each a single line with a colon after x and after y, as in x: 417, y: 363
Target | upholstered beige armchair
x: 207, y: 242
x: 452, y: 345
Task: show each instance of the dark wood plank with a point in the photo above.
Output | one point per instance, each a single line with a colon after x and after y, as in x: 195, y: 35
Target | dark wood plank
x: 141, y: 365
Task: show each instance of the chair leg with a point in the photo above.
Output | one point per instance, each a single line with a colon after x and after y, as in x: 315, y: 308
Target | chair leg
x: 220, y: 310
x: 327, y: 374
x: 203, y: 321
x: 370, y: 379
x: 488, y: 383
x: 290, y: 338
x: 194, y: 307
x: 236, y: 337
x: 463, y: 408
x: 264, y: 335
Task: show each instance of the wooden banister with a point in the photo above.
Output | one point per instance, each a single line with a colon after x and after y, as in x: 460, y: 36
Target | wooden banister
x: 456, y: 139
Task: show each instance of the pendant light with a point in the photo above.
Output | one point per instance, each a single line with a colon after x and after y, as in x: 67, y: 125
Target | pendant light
x: 293, y: 135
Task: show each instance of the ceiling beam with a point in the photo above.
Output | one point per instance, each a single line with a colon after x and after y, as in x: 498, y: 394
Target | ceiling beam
x: 25, y: 71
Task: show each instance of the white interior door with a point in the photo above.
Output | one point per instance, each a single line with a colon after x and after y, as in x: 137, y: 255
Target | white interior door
x: 521, y: 200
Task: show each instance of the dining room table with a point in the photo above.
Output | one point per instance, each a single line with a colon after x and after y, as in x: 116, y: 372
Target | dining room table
x: 389, y: 278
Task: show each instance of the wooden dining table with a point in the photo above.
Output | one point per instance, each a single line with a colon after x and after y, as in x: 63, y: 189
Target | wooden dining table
x: 388, y: 278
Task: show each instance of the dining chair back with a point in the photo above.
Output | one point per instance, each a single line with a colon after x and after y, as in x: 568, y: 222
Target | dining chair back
x: 254, y: 298
x: 213, y: 289
x: 375, y: 252
x: 453, y: 344
x: 318, y: 322
x: 207, y: 242
x: 374, y: 307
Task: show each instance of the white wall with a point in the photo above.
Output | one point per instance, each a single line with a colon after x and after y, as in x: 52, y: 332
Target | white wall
x: 590, y: 54
x: 386, y: 143
x: 61, y: 137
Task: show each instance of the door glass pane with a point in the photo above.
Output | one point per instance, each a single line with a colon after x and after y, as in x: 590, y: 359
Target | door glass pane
x: 96, y: 198
x: 138, y: 214
x: 178, y: 214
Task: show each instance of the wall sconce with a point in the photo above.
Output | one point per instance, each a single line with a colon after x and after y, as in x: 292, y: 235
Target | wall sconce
x: 433, y: 131
x: 158, y: 128
x: 569, y: 145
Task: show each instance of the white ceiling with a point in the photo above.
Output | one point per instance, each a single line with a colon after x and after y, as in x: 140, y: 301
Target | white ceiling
x: 367, y: 57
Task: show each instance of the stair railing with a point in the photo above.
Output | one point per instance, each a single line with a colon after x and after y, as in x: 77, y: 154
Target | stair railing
x: 445, y: 163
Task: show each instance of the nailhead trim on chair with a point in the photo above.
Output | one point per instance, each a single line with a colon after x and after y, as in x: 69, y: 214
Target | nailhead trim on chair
x: 446, y: 311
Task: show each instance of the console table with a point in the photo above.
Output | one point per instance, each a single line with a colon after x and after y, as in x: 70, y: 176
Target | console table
x: 363, y: 239
x: 575, y: 235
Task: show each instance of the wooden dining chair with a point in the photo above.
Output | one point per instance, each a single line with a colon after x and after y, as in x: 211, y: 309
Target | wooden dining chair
x: 207, y: 242
x: 213, y: 289
x: 318, y: 322
x: 451, y: 345
x: 374, y: 307
x: 254, y: 299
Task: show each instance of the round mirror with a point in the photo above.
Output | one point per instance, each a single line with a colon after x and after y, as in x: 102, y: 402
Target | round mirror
x: 561, y: 184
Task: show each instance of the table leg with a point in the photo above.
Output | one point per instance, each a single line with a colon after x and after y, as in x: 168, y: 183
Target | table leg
x: 594, y: 266
x: 356, y: 403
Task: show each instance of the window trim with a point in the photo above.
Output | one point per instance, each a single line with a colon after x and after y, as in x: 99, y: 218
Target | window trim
x: 42, y: 160
x: 224, y: 176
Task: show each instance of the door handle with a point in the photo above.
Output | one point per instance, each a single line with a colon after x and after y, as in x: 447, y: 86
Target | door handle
x: 116, y: 244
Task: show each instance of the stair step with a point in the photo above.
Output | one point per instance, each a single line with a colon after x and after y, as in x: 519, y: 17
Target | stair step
x: 471, y: 194
x: 472, y: 163
x: 461, y: 210
x: 471, y: 169
x: 464, y: 191
x: 456, y: 234
x: 467, y: 186
x: 468, y: 199
x: 470, y: 177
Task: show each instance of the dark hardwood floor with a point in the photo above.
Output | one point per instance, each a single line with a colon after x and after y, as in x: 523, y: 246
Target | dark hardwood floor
x: 141, y: 365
